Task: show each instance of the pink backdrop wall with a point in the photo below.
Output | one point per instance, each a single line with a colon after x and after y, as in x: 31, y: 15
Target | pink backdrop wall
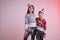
x: 12, y: 14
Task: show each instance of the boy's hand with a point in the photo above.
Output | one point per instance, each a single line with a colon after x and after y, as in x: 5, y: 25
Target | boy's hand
x: 40, y: 22
x: 44, y: 36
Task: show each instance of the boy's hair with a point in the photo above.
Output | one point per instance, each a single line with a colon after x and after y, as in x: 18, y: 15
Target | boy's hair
x: 41, y: 11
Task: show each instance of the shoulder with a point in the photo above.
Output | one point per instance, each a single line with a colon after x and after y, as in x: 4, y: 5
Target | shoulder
x: 27, y: 15
x: 37, y: 18
x: 44, y: 20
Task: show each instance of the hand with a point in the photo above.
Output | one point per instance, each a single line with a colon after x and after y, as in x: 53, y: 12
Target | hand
x: 40, y: 22
x: 25, y: 33
x: 44, y: 36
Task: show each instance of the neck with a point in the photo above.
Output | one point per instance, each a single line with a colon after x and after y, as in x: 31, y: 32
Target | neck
x: 41, y: 18
x: 30, y: 12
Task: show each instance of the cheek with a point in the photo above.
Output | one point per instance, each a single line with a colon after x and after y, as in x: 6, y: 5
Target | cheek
x: 31, y: 9
x: 41, y: 15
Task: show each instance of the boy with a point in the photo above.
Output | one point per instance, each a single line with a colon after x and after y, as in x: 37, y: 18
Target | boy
x: 41, y: 26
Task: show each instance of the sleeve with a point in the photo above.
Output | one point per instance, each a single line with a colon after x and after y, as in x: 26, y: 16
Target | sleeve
x: 45, y: 25
x: 26, y: 22
x: 36, y: 21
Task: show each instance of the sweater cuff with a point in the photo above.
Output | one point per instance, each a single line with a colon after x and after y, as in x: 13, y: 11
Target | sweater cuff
x: 26, y: 26
x: 45, y: 32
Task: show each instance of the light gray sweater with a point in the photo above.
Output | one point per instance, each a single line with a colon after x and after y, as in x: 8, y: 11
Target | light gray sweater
x: 29, y: 18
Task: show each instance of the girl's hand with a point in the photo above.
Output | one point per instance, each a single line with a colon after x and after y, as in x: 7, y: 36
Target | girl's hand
x: 25, y: 33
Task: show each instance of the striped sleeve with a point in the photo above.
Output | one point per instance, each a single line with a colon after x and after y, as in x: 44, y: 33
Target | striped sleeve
x: 26, y: 22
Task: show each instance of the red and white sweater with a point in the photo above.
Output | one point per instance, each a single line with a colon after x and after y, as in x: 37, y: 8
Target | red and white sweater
x: 41, y: 23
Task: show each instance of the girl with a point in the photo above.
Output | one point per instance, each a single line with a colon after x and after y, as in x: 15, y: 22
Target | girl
x: 41, y: 26
x: 30, y: 23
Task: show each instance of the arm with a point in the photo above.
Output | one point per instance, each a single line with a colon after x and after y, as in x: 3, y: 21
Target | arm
x: 44, y: 26
x: 26, y: 22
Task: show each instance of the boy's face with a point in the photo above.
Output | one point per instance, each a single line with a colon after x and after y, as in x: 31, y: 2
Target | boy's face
x: 41, y: 15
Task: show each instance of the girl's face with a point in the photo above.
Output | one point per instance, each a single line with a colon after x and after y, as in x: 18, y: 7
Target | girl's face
x: 41, y: 15
x: 31, y: 9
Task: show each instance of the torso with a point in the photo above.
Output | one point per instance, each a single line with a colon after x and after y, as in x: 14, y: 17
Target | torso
x: 32, y: 20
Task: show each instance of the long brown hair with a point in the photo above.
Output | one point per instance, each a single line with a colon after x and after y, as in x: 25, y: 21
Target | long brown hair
x: 28, y: 9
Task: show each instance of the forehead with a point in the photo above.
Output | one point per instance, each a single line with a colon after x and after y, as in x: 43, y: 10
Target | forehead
x: 31, y: 7
x: 41, y: 13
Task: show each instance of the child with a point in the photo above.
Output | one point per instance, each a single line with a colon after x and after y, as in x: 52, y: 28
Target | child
x: 41, y: 26
x: 30, y: 23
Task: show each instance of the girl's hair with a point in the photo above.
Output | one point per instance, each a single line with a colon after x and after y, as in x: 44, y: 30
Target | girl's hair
x: 28, y: 9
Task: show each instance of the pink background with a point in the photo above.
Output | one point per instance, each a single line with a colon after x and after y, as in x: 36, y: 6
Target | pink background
x: 12, y: 13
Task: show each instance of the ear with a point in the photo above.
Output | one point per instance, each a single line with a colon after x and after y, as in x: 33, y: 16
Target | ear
x: 28, y: 5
